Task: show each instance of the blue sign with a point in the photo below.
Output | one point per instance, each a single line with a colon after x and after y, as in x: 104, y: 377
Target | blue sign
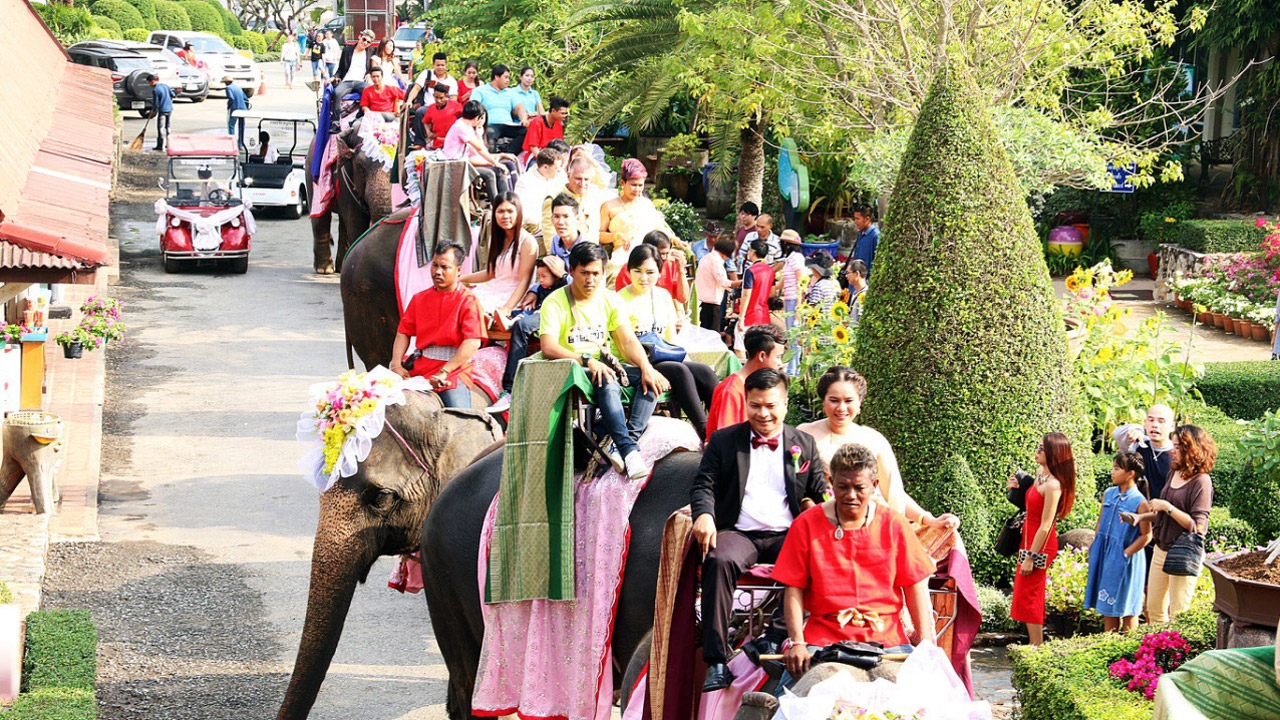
x: 1120, y: 178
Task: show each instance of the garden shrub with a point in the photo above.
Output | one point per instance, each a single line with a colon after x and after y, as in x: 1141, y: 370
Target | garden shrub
x: 203, y: 17
x: 110, y: 28
x: 137, y: 34
x: 68, y: 24
x: 1243, y: 390
x: 956, y: 494
x: 171, y: 16
x: 995, y: 611
x: 251, y: 41
x: 1227, y: 533
x: 1070, y: 679
x: 125, y: 15
x: 1256, y: 495
x: 962, y: 343
x: 231, y: 26
x: 1218, y: 236
x: 147, y: 9
x: 6, y: 595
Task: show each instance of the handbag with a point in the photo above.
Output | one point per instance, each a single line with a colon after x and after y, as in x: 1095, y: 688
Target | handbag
x: 660, y: 350
x: 847, y: 652
x: 1010, y: 535
x: 1185, y: 556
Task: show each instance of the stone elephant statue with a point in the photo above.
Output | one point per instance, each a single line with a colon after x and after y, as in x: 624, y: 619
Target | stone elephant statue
x: 363, y: 197
x: 378, y: 511
x: 32, y: 444
x: 450, y: 552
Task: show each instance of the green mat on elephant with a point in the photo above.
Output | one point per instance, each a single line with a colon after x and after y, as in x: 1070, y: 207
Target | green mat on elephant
x: 1236, y: 684
x: 532, y: 552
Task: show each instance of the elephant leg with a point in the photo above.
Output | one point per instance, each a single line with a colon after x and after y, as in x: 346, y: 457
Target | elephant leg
x: 10, y: 475
x: 322, y: 240
x: 40, y: 463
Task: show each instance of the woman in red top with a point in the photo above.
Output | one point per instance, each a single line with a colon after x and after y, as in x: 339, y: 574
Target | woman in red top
x: 1049, y: 499
x: 848, y: 564
x: 469, y: 81
x: 448, y: 327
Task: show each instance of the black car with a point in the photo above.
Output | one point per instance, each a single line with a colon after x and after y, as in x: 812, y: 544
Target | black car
x: 129, y: 71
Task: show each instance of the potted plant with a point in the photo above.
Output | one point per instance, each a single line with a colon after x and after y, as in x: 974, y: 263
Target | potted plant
x: 73, y: 342
x: 1262, y: 318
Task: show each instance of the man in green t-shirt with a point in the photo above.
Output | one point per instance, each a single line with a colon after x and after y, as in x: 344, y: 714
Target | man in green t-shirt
x: 577, y: 322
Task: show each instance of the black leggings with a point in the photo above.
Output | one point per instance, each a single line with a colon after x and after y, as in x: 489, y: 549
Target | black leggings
x: 495, y: 180
x: 691, y: 386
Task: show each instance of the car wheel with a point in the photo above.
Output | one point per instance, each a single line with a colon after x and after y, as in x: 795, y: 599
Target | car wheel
x: 298, y: 209
x: 238, y: 266
x: 171, y: 265
x: 198, y: 98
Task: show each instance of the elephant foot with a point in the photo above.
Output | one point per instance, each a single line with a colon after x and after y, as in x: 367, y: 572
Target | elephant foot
x: 325, y: 268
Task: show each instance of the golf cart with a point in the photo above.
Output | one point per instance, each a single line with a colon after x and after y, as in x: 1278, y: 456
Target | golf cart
x: 276, y: 176
x: 202, y: 219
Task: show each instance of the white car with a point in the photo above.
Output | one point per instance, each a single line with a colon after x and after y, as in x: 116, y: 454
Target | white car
x: 276, y: 176
x: 217, y: 58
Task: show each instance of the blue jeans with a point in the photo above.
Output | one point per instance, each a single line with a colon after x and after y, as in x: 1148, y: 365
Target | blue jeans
x: 331, y: 67
x: 235, y: 127
x: 613, y: 419
x: 522, y: 331
x: 458, y: 397
x: 317, y: 69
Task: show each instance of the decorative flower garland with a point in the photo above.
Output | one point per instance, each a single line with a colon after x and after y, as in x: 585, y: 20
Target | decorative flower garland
x: 345, y: 418
x: 380, y: 140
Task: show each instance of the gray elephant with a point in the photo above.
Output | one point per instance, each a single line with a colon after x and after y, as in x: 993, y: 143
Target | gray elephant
x: 450, y: 552
x: 370, y: 310
x: 363, y: 197
x: 378, y: 511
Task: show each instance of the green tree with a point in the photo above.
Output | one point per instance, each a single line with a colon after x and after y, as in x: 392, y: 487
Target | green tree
x: 147, y: 9
x: 68, y: 24
x: 962, y: 340
x: 203, y: 17
x: 171, y: 16
x: 125, y: 15
x: 109, y: 27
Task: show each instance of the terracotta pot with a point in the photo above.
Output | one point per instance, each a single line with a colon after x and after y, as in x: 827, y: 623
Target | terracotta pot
x: 1218, y: 320
x: 1244, y: 601
x: 1205, y: 318
x: 1242, y: 328
x: 1260, y: 332
x: 1184, y: 303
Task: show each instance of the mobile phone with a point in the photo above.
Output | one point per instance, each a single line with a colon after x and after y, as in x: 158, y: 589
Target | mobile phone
x: 1129, y: 518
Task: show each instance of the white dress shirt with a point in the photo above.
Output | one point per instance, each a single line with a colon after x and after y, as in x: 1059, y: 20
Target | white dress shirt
x: 764, y: 504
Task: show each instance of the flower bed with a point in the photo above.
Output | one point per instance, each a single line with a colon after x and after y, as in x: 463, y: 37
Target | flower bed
x: 1239, y: 287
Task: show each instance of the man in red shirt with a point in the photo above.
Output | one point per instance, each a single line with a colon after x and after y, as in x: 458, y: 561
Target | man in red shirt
x: 436, y: 119
x: 379, y: 97
x: 448, y: 327
x: 765, y: 345
x: 545, y: 128
x: 757, y: 286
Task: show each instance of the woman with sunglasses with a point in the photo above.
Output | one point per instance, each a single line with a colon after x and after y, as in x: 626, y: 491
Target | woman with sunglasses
x: 1048, y: 500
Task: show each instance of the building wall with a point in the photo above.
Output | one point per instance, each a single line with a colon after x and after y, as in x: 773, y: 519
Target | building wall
x: 31, y: 66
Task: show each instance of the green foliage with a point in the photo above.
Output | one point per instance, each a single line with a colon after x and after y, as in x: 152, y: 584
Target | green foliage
x: 203, y: 17
x: 146, y: 9
x: 62, y: 650
x: 994, y: 604
x: 962, y: 341
x: 250, y: 40
x: 955, y: 495
x: 231, y: 26
x: 125, y: 15
x: 171, y: 16
x: 68, y: 24
x: 1256, y: 497
x: 54, y: 704
x: 1218, y: 236
x: 1065, y: 584
x: 110, y: 28
x: 1069, y: 679
x: 1161, y: 224
x: 1228, y: 534
x: 825, y: 340
x: 682, y: 218
x: 1243, y: 390
x: 6, y: 595
x: 137, y: 34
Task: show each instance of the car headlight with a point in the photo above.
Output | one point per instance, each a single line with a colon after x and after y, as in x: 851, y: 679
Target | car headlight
x: 175, y: 222
x: 235, y: 222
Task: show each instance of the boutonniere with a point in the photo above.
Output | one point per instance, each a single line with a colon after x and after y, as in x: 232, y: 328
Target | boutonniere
x: 795, y: 458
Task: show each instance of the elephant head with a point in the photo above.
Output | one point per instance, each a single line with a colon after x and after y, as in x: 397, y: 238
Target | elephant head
x: 378, y: 511
x: 370, y: 182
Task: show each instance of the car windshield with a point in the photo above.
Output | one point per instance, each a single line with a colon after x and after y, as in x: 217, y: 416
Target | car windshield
x: 191, y: 179
x: 410, y: 34
x: 289, y: 138
x: 129, y: 64
x: 209, y: 45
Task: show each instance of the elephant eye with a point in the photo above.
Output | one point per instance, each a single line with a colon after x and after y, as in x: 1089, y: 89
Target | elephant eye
x: 379, y: 498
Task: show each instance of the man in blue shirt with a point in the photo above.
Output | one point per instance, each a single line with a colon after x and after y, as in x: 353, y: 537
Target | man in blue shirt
x: 505, y: 114
x: 162, y: 104
x: 236, y: 100
x: 864, y: 248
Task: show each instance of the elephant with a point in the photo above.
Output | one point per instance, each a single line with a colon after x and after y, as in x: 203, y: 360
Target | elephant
x: 363, y: 197
x: 370, y: 310
x: 378, y: 511
x: 451, y: 547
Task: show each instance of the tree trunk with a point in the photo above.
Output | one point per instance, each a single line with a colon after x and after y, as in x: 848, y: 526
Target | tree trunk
x: 751, y: 163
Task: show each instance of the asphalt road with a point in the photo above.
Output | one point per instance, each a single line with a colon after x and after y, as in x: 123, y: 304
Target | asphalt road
x: 199, y: 583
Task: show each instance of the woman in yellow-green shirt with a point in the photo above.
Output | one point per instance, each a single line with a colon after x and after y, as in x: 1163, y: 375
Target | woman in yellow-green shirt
x: 653, y: 311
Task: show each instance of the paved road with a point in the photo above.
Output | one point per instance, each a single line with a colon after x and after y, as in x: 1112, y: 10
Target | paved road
x: 199, y: 583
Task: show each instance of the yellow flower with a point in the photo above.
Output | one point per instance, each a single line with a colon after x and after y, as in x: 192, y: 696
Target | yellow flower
x: 840, y: 310
x: 1124, y: 277
x: 1105, y: 354
x: 1119, y: 329
x: 1072, y: 283
x: 1170, y: 220
x: 840, y: 333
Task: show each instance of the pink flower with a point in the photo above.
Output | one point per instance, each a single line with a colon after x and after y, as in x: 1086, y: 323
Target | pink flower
x: 1260, y: 222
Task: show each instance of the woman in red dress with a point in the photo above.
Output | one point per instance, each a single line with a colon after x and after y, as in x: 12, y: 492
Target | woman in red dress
x: 469, y: 81
x: 1049, y: 499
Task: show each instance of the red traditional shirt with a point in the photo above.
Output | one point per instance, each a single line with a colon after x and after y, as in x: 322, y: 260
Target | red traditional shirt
x: 440, y: 119
x: 540, y: 133
x: 728, y: 404
x: 669, y: 280
x: 443, y: 319
x: 866, y: 570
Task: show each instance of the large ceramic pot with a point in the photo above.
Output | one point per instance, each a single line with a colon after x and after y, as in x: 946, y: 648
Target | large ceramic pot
x: 1244, y: 601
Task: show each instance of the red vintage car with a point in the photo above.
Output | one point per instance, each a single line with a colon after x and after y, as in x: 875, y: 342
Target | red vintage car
x: 203, y: 220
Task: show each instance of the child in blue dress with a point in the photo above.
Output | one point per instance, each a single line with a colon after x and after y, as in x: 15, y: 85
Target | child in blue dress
x: 1117, y: 564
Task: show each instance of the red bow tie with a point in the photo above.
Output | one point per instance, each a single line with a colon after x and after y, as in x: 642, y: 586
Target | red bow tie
x: 759, y: 442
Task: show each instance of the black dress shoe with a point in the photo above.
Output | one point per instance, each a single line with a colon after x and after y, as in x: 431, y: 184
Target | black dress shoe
x: 763, y: 645
x: 718, y: 678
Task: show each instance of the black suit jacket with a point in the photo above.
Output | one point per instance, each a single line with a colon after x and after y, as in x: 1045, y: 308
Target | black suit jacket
x: 722, y: 477
x: 345, y: 59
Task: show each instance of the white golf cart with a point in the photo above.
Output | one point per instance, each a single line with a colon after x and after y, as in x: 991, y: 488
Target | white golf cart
x: 276, y: 175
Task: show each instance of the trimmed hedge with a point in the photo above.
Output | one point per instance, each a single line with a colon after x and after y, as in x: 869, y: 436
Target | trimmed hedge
x: 995, y: 611
x: 250, y: 40
x: 171, y: 16
x: 1218, y: 236
x: 108, y: 26
x: 1070, y: 680
x: 203, y: 17
x: 137, y: 34
x: 1244, y: 390
x: 59, y: 671
x: 230, y: 23
x: 125, y: 15
x: 962, y: 343
x: 147, y: 9
x: 1227, y: 533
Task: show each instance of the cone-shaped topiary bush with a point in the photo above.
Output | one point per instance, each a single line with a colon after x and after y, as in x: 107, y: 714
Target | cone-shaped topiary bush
x: 962, y: 341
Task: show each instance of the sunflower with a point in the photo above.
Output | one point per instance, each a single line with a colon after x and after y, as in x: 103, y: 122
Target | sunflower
x: 1105, y: 354
x: 840, y: 333
x: 1072, y: 283
x: 1119, y: 329
x: 840, y: 311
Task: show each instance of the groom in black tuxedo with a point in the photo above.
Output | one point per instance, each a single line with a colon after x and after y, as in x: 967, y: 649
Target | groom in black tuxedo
x: 755, y: 478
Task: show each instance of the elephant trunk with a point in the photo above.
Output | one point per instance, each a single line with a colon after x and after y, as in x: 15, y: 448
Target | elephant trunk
x: 340, y: 559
